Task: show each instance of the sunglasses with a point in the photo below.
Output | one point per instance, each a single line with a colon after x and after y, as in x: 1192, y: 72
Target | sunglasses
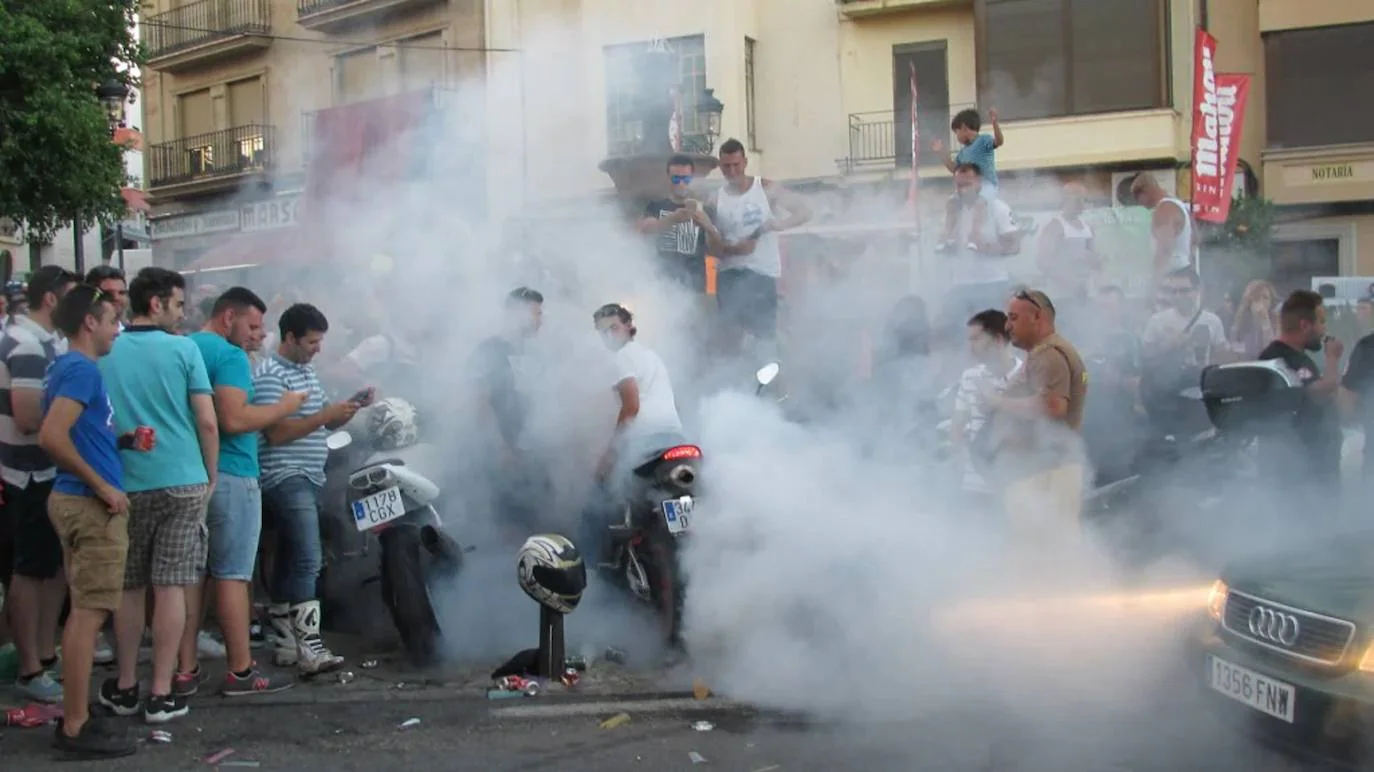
x: 1038, y: 299
x: 680, y: 179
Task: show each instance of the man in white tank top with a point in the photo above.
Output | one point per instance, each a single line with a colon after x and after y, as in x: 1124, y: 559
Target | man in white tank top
x: 746, y: 215
x: 1065, y: 252
x: 1171, y: 226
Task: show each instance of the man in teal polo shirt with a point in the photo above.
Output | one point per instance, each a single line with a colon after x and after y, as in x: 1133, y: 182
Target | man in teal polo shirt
x: 158, y: 379
x: 235, y: 515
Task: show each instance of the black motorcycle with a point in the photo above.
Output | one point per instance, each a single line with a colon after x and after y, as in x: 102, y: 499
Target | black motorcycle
x: 657, y: 513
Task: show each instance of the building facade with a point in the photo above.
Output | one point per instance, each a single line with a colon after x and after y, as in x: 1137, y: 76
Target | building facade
x: 818, y: 90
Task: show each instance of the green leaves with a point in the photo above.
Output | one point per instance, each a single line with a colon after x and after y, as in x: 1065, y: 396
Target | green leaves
x: 57, y: 161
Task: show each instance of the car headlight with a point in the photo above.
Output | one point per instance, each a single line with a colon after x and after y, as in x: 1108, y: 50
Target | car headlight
x: 1216, y: 600
x: 1367, y: 661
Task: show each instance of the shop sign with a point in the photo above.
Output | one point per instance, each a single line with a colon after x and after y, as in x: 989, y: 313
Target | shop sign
x: 279, y: 212
x: 188, y: 225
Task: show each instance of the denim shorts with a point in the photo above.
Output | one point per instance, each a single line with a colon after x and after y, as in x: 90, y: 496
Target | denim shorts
x: 235, y: 521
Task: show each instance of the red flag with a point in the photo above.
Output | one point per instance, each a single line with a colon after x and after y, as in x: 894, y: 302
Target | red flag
x: 915, y: 143
x: 1218, y: 107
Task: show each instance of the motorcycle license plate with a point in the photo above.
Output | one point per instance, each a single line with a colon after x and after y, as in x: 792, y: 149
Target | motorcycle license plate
x: 677, y: 513
x: 378, y: 509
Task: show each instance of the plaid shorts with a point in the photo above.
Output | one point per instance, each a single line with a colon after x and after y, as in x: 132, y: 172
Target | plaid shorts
x: 167, y: 537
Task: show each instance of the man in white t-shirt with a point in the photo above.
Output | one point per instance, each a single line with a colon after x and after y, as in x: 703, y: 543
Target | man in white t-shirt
x: 647, y: 405
x: 1182, y: 327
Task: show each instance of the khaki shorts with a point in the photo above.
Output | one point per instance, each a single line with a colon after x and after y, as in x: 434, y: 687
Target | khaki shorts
x: 1045, y: 507
x: 95, y: 545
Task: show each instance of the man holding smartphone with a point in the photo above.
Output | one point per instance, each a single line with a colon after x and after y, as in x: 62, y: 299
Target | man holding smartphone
x: 682, y: 228
x: 292, y: 474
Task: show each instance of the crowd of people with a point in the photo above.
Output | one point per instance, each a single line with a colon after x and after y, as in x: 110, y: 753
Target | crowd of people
x: 136, y: 461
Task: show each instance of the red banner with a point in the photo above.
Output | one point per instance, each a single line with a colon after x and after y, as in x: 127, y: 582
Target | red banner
x: 1218, y: 116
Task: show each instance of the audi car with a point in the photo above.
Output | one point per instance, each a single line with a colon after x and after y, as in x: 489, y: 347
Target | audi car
x: 1286, y: 649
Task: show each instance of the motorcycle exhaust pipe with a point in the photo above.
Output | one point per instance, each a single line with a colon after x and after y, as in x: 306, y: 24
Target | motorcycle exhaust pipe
x: 683, y: 476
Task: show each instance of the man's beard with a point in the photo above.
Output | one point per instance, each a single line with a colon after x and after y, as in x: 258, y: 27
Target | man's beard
x: 1313, y: 344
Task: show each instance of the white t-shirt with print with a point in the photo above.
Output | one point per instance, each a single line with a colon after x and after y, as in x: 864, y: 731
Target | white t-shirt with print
x: 969, y: 402
x: 657, y: 405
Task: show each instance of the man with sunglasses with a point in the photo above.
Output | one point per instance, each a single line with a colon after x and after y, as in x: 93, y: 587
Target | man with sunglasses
x: 1037, y: 449
x: 682, y: 226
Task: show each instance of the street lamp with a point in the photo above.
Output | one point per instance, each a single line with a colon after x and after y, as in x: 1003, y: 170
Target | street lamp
x: 113, y: 95
x: 709, y: 109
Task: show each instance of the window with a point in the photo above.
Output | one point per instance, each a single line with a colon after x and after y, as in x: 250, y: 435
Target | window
x: 749, y: 112
x: 639, y: 77
x: 422, y: 61
x: 356, y: 76
x: 1315, y: 82
x: 196, y: 114
x: 1047, y: 58
x: 245, y: 102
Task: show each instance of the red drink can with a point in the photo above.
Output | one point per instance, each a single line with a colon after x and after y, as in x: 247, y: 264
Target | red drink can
x: 144, y: 438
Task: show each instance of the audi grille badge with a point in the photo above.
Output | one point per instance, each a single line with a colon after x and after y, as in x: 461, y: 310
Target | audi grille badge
x: 1267, y: 624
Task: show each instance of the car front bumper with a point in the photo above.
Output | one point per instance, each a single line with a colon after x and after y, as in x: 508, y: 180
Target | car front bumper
x: 1333, y: 715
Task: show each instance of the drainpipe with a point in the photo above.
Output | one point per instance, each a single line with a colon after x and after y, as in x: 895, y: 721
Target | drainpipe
x: 1202, y: 16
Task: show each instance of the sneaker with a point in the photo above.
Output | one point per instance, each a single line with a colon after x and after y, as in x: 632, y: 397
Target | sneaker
x: 945, y: 246
x: 187, y: 684
x: 972, y: 247
x: 257, y: 636
x: 104, y: 653
x: 256, y: 682
x: 209, y: 647
x: 96, y: 740
x: 160, y: 710
x: 40, y: 688
x: 121, y: 702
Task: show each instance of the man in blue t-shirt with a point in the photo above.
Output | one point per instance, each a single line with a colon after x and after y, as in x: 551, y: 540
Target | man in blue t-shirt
x: 87, y: 507
x: 158, y: 379
x: 235, y: 514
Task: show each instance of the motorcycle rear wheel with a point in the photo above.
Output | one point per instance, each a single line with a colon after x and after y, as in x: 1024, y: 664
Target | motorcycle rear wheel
x: 406, y: 593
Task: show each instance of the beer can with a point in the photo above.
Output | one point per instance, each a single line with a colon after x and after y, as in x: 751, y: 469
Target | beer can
x: 144, y: 438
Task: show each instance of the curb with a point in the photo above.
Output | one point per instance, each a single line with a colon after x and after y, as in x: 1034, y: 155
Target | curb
x: 425, y: 694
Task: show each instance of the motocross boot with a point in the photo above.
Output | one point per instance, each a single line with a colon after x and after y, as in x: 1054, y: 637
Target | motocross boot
x: 312, y: 655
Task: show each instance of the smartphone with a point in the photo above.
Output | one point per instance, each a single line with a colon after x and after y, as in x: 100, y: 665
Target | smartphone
x: 362, y: 398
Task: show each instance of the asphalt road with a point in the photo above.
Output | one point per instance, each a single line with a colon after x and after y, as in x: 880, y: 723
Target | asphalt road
x: 553, y: 734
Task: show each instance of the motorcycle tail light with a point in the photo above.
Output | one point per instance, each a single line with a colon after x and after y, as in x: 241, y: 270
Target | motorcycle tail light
x: 681, y: 452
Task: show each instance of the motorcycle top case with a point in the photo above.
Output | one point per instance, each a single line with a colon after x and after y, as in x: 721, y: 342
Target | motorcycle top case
x: 1244, y: 396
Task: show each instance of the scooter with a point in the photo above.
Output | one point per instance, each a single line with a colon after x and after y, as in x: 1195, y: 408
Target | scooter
x: 386, y: 501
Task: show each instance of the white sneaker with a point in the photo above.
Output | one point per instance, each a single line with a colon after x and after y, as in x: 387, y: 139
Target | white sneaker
x: 312, y: 655
x: 104, y: 653
x: 281, y: 636
x: 209, y: 647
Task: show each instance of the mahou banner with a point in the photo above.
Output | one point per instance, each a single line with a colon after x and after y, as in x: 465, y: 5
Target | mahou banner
x: 1218, y: 116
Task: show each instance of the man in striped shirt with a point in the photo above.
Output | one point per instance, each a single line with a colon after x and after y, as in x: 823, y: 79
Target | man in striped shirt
x: 29, y: 345
x: 292, y: 458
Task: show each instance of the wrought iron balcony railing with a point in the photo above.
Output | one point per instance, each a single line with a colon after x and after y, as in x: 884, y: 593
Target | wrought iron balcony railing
x: 204, y: 21
x: 218, y: 154
x: 882, y: 139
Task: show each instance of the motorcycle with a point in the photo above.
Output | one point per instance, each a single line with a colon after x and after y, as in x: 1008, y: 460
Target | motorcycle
x: 375, y: 497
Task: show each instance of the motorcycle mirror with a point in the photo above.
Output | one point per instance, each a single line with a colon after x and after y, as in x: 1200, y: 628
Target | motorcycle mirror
x: 767, y: 373
x: 338, y: 440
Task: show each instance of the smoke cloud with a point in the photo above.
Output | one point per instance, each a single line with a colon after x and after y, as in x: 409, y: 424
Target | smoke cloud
x: 834, y: 568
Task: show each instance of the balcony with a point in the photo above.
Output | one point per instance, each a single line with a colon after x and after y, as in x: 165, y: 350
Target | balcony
x: 862, y: 9
x: 208, y: 162
x: 1319, y: 175
x: 333, y: 15
x: 207, y: 30
x: 878, y: 141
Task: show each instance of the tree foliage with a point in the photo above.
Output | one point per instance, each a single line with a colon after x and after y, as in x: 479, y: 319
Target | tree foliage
x: 57, y: 161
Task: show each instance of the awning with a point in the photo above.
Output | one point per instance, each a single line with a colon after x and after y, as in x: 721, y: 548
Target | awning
x: 249, y: 250
x: 136, y: 199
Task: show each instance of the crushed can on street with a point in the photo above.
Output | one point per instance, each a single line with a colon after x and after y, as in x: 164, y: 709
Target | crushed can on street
x: 570, y: 678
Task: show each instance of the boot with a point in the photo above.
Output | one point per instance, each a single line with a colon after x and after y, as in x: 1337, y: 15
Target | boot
x: 312, y: 655
x: 281, y: 635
